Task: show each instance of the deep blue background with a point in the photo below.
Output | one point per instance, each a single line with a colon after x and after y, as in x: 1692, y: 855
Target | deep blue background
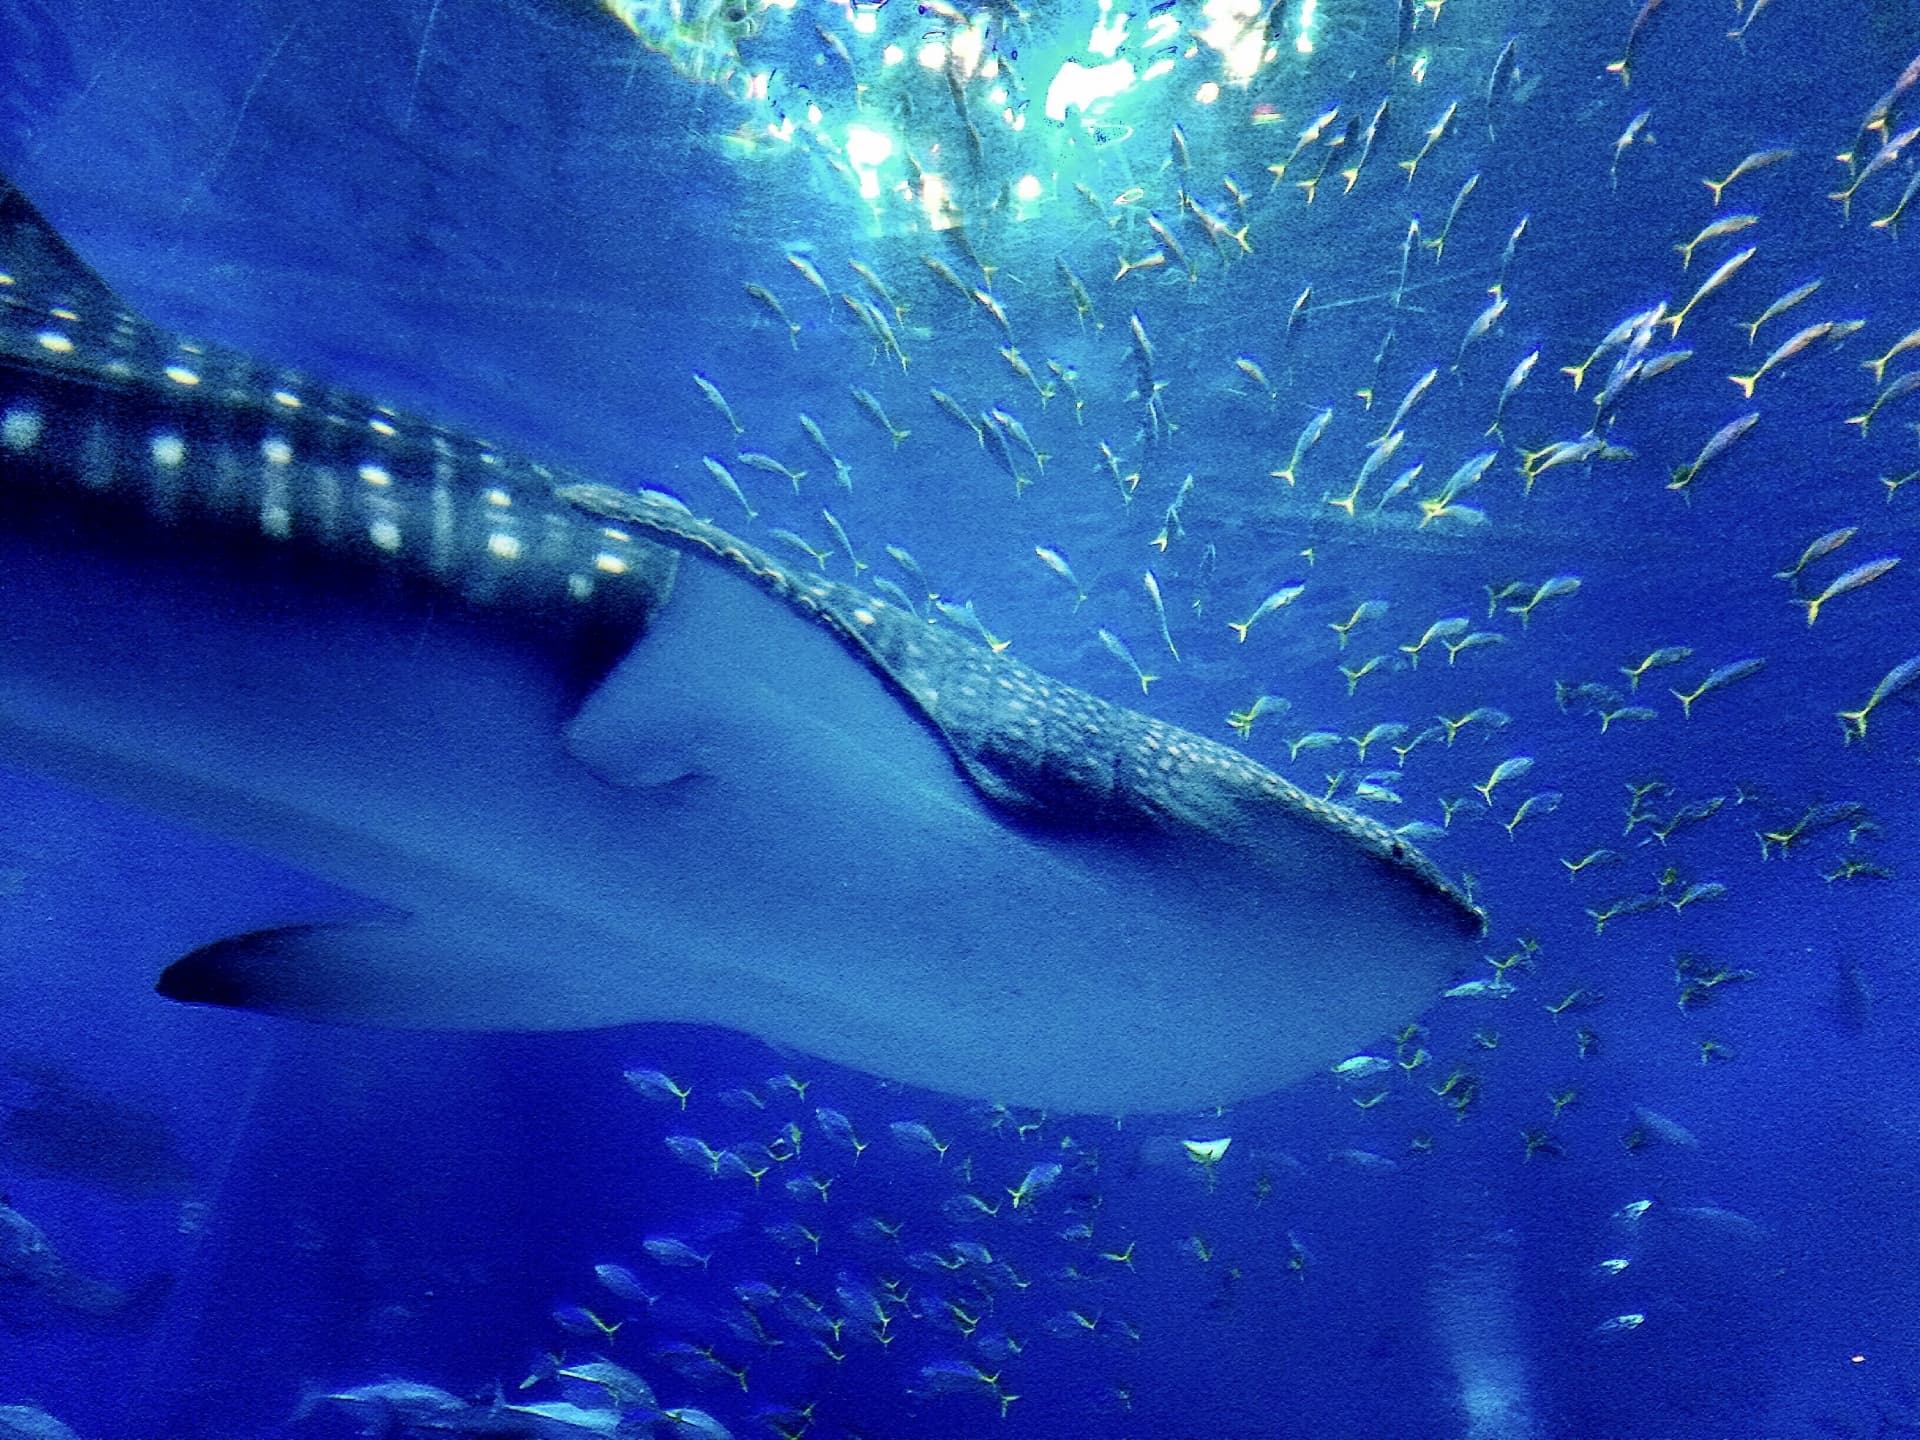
x: 508, y: 216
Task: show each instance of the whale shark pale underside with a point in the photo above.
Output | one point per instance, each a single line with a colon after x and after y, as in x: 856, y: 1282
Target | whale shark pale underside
x: 591, y: 760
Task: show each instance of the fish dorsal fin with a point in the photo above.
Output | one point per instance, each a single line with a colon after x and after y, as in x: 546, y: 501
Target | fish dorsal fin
x: 33, y: 253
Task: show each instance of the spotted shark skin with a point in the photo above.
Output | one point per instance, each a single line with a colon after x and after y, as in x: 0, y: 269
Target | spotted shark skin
x: 1030, y: 743
x: 581, y: 759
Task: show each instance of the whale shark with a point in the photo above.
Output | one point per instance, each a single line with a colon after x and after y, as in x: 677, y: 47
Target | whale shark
x: 587, y: 759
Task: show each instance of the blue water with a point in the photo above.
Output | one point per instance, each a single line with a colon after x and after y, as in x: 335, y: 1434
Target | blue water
x: 511, y: 216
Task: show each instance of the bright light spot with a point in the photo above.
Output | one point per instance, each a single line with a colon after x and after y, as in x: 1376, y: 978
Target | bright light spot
x: 180, y: 375
x: 1078, y: 87
x: 499, y: 499
x: 893, y: 55
x: 1017, y: 120
x: 932, y: 56
x: 276, y: 451
x: 997, y: 95
x: 967, y: 46
x: 1154, y: 71
x: 376, y: 476
x: 1028, y: 187
x: 20, y: 429
x: 286, y: 398
x: 1308, y: 13
x: 609, y: 564
x: 1207, y: 93
x: 1418, y: 70
x: 385, y: 534
x: 1162, y: 29
x: 503, y: 546
x: 168, y: 451
x: 936, y: 199
x: 814, y: 115
x: 867, y: 148
x: 865, y: 22
x: 1303, y: 45
x: 757, y: 85
x: 1109, y: 32
x: 57, y: 343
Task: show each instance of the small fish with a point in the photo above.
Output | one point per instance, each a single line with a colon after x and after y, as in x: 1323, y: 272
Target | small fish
x: 622, y: 1283
x: 913, y: 1135
x: 1499, y: 78
x: 1309, y: 436
x: 670, y: 1251
x: 1794, y: 346
x: 1785, y: 303
x: 1117, y: 648
x: 1725, y: 225
x: 808, y: 273
x: 728, y: 483
x: 1407, y: 247
x: 954, y: 411
x: 1511, y: 768
x: 1758, y: 160
x: 1142, y: 346
x: 1664, y: 656
x: 1160, y: 611
x: 1554, y: 589
x: 1728, y: 269
x: 1037, y: 1181
x: 1309, y: 136
x: 1278, y: 600
x: 1854, y: 579
x: 771, y: 466
x: 1515, y: 379
x: 1888, y: 154
x: 943, y: 272
x: 871, y: 407
x: 879, y: 288
x: 1817, y: 549
x: 1366, y: 610
x: 1250, y: 368
x: 1902, y: 386
x: 1442, y: 630
x: 1435, y: 133
x: 1721, y: 441
x: 770, y: 302
x: 1439, y: 242
x: 838, y: 1128
x: 1909, y: 341
x: 1077, y: 292
x: 1623, y: 67
x: 1635, y: 131
x: 1057, y: 563
x: 1544, y: 803
x: 718, y: 401
x: 658, y: 1085
x: 1512, y: 247
x: 1718, y: 680
x: 839, y: 534
x: 1482, y: 324
x: 1462, y: 480
x: 1415, y: 393
x: 1854, y: 722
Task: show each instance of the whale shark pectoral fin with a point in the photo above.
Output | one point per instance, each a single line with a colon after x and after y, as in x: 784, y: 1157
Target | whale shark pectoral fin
x: 741, y: 750
x: 357, y: 972
x: 732, y: 685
